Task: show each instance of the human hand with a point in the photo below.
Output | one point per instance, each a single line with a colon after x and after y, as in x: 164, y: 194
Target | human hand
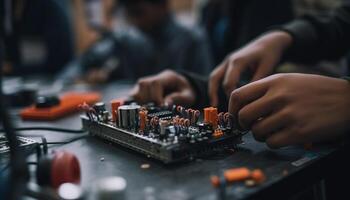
x: 260, y: 56
x: 167, y: 87
x: 287, y: 109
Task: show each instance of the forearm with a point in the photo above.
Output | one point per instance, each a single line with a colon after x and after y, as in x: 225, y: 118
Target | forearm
x: 316, y: 37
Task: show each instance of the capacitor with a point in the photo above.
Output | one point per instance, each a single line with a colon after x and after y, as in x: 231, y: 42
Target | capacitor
x: 114, y: 108
x: 100, y: 107
x: 211, y: 116
x: 105, y: 116
x: 111, y: 188
x: 163, y: 124
x: 128, y: 116
x: 143, y: 120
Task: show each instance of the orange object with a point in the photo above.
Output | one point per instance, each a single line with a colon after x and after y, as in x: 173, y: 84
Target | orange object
x: 258, y: 176
x: 215, y: 181
x: 240, y: 174
x: 65, y: 169
x: 211, y: 116
x: 68, y: 104
x: 114, y: 108
x: 143, y: 118
x: 218, y: 133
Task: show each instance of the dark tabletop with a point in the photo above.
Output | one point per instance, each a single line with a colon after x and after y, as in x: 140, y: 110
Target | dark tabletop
x: 287, y: 169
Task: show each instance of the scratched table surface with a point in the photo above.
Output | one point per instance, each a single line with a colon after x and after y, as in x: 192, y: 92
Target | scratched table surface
x: 287, y: 170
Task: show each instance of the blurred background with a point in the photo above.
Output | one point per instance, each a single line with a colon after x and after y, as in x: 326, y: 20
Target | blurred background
x: 96, y: 41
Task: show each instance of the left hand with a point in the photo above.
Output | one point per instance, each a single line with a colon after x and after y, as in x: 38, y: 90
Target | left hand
x: 289, y: 109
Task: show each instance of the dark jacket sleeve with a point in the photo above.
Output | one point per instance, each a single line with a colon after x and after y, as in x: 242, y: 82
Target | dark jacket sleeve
x: 320, y: 37
x: 200, y: 85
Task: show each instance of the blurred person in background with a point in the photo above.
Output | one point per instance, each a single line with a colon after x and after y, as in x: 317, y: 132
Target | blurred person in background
x: 155, y: 41
x: 42, y: 42
x: 232, y: 24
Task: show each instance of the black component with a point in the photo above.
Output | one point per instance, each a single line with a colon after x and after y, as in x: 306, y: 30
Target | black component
x: 43, y: 171
x: 166, y: 114
x: 100, y: 107
x: 47, y: 101
x: 20, y: 97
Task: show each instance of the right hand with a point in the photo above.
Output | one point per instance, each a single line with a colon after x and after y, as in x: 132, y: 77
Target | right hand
x: 260, y: 56
x: 167, y: 87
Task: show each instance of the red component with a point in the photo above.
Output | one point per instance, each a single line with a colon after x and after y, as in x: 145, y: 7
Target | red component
x: 65, y: 169
x: 115, y: 105
x: 69, y: 104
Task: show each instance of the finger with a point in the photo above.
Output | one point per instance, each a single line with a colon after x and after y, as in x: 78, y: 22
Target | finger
x: 263, y: 70
x: 232, y: 76
x: 281, y: 138
x: 254, y: 111
x: 264, y: 127
x: 245, y: 95
x: 135, y: 92
x: 181, y: 98
x: 214, y: 83
x: 143, y: 93
x: 156, y: 92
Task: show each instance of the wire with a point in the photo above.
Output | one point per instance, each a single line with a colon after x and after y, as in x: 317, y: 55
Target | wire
x: 65, y: 142
x: 54, y: 129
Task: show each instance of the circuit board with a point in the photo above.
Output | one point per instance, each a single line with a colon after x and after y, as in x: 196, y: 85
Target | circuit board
x: 166, y: 133
x: 24, y: 144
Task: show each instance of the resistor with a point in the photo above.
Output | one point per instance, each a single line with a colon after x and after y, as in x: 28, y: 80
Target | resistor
x: 182, y: 121
x: 228, y: 118
x: 187, y: 123
x: 197, y: 113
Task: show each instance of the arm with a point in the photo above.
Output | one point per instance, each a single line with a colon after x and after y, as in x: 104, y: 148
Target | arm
x: 317, y: 37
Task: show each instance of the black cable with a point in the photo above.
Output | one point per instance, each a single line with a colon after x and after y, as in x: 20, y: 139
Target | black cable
x: 19, y: 172
x: 65, y: 142
x: 54, y: 129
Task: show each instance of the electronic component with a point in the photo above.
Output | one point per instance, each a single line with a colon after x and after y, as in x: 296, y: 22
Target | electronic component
x: 166, y: 133
x: 237, y: 175
x: 128, y: 116
x: 46, y: 101
x: 25, y: 144
x: 68, y: 104
x: 114, y: 109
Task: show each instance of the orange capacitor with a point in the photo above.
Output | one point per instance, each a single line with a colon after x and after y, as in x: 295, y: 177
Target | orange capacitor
x: 143, y: 118
x: 211, y: 116
x: 240, y: 174
x: 115, y: 105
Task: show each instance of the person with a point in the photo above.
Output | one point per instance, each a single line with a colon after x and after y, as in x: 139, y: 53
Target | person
x: 155, y: 42
x: 281, y: 109
x: 42, y: 41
